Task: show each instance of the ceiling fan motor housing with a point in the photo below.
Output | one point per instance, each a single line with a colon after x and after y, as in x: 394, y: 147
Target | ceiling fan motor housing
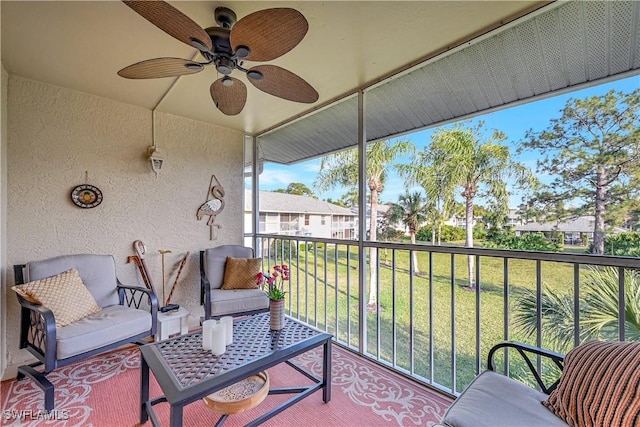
x: 220, y: 40
x: 225, y: 17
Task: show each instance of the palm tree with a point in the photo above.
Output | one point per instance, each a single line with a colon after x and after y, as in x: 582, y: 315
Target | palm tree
x: 442, y: 204
x: 411, y: 210
x: 477, y: 168
x: 342, y: 169
x: 598, y: 309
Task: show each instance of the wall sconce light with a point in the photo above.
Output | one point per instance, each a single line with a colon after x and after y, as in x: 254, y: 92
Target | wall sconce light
x: 156, y: 159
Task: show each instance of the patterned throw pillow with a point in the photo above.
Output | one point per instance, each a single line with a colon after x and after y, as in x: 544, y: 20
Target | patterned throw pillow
x: 64, y: 294
x: 240, y: 273
x: 600, y: 385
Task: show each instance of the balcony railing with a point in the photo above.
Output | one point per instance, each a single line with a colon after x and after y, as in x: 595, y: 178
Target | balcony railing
x: 430, y: 325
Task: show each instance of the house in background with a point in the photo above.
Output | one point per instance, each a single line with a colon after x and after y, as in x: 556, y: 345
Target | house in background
x: 294, y: 215
x: 514, y: 219
x: 574, y: 230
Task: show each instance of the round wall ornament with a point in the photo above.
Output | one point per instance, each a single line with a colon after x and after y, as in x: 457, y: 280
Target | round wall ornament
x: 86, y: 196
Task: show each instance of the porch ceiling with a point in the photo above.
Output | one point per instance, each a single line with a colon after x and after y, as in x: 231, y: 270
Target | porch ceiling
x: 81, y: 45
x: 558, y: 48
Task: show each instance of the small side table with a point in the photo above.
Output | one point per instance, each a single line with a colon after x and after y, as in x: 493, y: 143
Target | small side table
x: 172, y: 323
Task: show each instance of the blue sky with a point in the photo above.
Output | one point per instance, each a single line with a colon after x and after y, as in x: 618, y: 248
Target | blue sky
x: 514, y: 122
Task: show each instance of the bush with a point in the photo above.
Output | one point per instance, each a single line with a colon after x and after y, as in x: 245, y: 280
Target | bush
x: 448, y: 233
x: 529, y: 242
x: 479, y: 233
x: 309, y: 246
x: 424, y: 234
x: 622, y: 244
x: 558, y: 236
x: 280, y: 249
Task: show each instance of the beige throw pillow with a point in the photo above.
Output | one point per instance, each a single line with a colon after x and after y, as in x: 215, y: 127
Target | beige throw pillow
x: 241, y: 273
x: 64, y: 294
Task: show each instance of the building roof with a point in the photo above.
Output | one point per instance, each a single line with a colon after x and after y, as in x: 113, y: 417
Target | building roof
x: 582, y: 224
x: 290, y: 203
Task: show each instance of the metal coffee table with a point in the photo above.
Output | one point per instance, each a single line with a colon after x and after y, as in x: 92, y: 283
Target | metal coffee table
x: 187, y: 373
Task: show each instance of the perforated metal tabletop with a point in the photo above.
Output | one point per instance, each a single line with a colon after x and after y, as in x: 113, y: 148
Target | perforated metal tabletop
x: 187, y: 373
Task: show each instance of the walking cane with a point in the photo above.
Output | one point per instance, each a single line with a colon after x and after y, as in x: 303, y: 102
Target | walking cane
x: 175, y: 282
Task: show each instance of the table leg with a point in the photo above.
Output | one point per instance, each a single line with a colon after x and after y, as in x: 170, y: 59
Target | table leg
x: 175, y: 416
x: 144, y: 390
x: 326, y: 372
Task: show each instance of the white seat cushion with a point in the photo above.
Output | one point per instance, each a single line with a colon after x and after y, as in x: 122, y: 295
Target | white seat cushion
x: 237, y: 301
x: 494, y: 400
x: 111, y: 324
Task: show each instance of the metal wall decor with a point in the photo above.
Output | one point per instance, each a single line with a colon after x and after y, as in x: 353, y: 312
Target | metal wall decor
x: 212, y: 206
x: 86, y: 196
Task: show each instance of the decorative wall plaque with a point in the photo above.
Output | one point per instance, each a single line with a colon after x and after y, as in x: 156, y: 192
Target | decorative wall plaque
x: 86, y: 196
x: 213, y: 206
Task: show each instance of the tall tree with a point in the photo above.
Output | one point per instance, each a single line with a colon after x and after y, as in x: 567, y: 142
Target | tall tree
x: 342, y: 169
x: 442, y: 204
x: 590, y: 149
x: 624, y: 211
x: 296, y: 188
x: 412, y: 211
x: 477, y: 166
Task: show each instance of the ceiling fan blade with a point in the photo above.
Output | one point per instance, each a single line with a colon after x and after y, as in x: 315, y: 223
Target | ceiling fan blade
x: 229, y: 99
x: 173, y: 22
x: 284, y: 84
x: 160, y: 67
x: 269, y: 33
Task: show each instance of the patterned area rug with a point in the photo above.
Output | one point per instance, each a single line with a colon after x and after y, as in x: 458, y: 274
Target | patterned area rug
x: 104, y: 391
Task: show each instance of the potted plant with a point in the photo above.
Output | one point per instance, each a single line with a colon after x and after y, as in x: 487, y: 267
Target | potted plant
x: 276, y: 293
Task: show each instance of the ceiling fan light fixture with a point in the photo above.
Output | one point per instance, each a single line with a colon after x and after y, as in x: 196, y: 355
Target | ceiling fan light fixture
x: 227, y: 82
x: 255, y: 75
x: 225, y: 66
x: 242, y: 52
x: 199, y: 45
x: 193, y: 66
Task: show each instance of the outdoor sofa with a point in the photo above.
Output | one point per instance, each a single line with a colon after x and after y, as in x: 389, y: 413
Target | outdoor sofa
x: 599, y: 386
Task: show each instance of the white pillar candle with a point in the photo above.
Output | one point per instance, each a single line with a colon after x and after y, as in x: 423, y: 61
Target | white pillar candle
x: 227, y: 321
x: 218, y: 339
x: 206, y: 333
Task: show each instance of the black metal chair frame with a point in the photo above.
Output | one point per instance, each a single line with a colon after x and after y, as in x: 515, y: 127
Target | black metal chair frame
x: 526, y: 350
x: 205, y: 296
x: 38, y: 334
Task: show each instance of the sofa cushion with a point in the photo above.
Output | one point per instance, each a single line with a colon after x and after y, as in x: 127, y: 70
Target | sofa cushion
x: 98, y: 273
x: 600, y: 385
x: 493, y: 399
x: 64, y: 294
x: 111, y: 324
x: 241, y: 273
x: 215, y: 259
x: 237, y: 301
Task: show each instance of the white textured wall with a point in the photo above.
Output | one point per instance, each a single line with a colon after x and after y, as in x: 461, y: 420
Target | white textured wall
x: 55, y: 135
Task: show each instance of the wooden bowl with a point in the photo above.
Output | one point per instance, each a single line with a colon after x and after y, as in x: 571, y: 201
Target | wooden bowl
x: 241, y: 396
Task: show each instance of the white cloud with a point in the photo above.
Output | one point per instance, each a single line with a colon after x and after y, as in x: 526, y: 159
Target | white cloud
x: 271, y: 177
x: 312, y: 166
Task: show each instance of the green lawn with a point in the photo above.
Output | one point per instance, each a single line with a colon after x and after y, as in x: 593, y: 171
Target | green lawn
x: 335, y: 294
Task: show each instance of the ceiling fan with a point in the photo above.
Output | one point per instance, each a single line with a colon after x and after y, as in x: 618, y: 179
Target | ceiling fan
x: 260, y: 36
